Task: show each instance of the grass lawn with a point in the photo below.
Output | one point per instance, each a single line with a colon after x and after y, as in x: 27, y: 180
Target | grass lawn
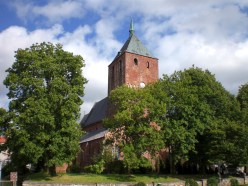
x: 107, y: 178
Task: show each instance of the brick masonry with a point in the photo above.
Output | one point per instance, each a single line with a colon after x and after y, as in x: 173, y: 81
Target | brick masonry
x: 132, y: 69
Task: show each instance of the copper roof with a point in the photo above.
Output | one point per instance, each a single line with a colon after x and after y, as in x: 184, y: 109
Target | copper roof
x: 134, y: 45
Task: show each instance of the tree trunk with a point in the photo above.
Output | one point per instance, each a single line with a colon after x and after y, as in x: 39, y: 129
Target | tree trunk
x: 172, y: 162
x: 52, y: 170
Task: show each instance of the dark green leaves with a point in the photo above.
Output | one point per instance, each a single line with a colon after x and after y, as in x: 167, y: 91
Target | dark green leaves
x: 136, y: 125
x: 45, y: 87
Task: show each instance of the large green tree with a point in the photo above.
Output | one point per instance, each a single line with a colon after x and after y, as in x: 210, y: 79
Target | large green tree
x: 188, y: 112
x: 240, y: 142
x: 198, y: 111
x: 136, y: 125
x: 45, y: 87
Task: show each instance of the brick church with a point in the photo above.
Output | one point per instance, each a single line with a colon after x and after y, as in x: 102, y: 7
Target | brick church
x: 133, y: 66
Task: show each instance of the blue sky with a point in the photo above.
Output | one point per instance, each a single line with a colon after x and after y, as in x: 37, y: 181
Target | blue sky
x: 210, y: 34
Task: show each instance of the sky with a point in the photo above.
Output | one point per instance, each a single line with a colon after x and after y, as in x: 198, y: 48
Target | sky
x: 209, y: 34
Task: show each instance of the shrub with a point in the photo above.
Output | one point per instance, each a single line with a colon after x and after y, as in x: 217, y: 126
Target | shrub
x: 191, y: 182
x: 213, y: 181
x: 96, y: 168
x: 74, y: 169
x: 115, y: 166
x: 234, y: 182
x: 140, y: 184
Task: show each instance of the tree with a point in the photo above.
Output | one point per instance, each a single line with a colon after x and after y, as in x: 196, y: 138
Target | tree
x: 213, y: 144
x: 240, y: 143
x: 236, y: 147
x: 187, y: 111
x: 197, y: 110
x: 3, y: 121
x: 136, y: 125
x: 45, y: 85
x: 243, y: 96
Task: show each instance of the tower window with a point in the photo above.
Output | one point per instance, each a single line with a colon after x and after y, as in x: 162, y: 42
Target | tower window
x: 147, y: 64
x: 135, y: 61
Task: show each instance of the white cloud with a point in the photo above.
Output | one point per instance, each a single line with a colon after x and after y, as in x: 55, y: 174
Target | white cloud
x: 225, y: 59
x: 55, y: 11
x: 209, y: 34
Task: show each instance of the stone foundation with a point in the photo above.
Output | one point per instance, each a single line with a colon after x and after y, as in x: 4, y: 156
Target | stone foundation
x: 223, y: 182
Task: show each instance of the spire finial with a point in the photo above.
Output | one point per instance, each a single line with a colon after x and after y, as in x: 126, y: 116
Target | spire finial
x: 131, y: 29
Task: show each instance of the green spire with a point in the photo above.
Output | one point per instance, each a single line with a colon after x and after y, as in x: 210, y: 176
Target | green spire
x: 131, y: 29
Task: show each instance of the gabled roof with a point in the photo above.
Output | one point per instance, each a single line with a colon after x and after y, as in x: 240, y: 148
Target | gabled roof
x: 134, y: 45
x: 97, y: 113
x: 97, y: 134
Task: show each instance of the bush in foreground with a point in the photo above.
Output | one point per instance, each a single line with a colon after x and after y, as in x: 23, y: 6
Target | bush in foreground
x: 191, y: 182
x: 234, y: 182
x: 213, y: 181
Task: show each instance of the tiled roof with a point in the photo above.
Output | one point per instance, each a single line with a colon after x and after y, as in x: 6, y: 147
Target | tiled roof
x: 97, y: 113
x: 94, y: 135
x: 2, y: 139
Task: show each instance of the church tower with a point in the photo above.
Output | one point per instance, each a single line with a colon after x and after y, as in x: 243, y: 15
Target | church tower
x: 134, y: 65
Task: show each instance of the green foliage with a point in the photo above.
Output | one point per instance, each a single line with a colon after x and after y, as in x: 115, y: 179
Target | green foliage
x: 194, y: 116
x: 213, y: 181
x: 7, y: 169
x: 115, y: 166
x: 190, y: 109
x: 140, y: 184
x: 191, y: 182
x: 136, y: 124
x: 105, y: 162
x: 45, y: 87
x: 243, y: 96
x: 74, y: 168
x: 97, y: 168
x: 234, y: 182
x: 4, y: 120
x: 200, y: 113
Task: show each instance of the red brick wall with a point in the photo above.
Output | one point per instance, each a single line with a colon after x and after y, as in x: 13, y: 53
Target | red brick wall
x: 116, y: 73
x: 62, y: 168
x: 89, y: 150
x: 146, y: 70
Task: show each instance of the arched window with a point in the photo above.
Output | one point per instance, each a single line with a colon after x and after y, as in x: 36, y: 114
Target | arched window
x: 135, y: 61
x: 147, y: 64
